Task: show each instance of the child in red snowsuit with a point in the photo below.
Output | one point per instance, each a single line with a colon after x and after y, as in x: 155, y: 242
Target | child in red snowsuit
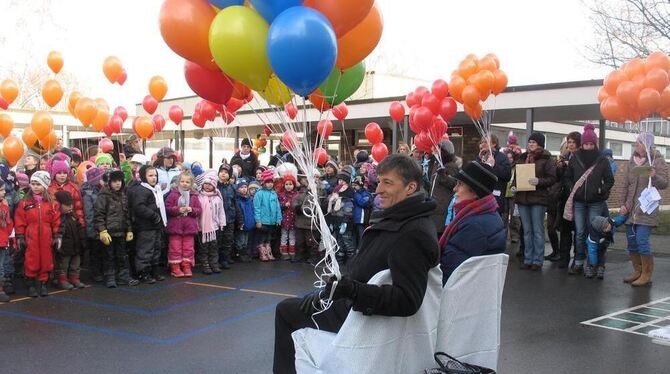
x: 37, y: 219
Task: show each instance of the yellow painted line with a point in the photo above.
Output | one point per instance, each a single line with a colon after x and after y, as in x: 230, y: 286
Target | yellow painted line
x: 21, y: 299
x: 30, y: 298
x: 240, y: 289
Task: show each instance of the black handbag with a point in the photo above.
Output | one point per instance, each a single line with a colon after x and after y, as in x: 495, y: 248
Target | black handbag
x: 450, y: 365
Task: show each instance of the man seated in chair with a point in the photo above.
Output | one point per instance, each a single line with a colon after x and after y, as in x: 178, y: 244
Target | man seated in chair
x: 477, y: 229
x: 401, y: 238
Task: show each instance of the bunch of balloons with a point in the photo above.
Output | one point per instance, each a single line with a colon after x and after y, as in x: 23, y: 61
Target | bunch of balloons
x: 430, y: 111
x: 375, y: 136
x: 206, y: 110
x: 313, y: 48
x: 259, y: 144
x: 114, y: 71
x: 476, y: 79
x: 637, y: 89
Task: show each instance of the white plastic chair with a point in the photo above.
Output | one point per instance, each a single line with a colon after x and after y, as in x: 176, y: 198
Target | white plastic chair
x: 470, y: 311
x: 374, y: 344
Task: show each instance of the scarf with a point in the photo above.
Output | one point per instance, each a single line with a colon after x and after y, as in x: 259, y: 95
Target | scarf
x: 485, y: 205
x: 532, y: 156
x: 158, y: 195
x: 244, y: 157
x: 207, y: 225
x: 184, y: 198
x: 589, y: 157
x: 38, y: 198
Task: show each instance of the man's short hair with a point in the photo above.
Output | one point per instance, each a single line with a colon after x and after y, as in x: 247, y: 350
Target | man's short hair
x: 492, y: 138
x: 576, y: 136
x: 404, y: 166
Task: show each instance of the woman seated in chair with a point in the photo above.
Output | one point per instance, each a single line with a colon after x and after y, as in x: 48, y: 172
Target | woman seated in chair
x: 477, y: 229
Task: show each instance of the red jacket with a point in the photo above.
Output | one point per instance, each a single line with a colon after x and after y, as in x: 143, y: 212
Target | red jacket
x: 6, y: 230
x: 37, y: 221
x: 72, y: 188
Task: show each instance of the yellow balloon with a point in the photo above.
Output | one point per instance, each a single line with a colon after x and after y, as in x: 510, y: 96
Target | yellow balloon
x: 237, y: 40
x: 276, y: 93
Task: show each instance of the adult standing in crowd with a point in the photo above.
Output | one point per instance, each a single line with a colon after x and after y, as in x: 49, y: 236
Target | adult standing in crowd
x: 132, y: 147
x: 31, y: 164
x: 282, y: 155
x: 646, y: 168
x: 166, y: 167
x: 400, y: 238
x: 533, y: 204
x: 566, y: 228
x: 246, y: 160
x: 403, y: 149
x: 590, y: 181
x: 501, y: 168
x: 442, y: 184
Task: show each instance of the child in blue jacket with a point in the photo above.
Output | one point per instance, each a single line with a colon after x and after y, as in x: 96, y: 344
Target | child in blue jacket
x: 362, y: 204
x: 245, y: 221
x: 601, y: 235
x: 267, y: 214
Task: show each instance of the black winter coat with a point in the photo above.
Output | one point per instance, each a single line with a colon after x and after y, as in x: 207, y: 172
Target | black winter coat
x: 597, y: 186
x: 503, y: 171
x: 73, y: 234
x: 144, y: 213
x: 402, y: 239
x: 111, y: 213
x: 442, y: 185
x: 248, y: 166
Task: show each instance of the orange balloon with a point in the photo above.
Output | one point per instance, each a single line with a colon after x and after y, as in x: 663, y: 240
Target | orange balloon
x: 488, y: 63
x: 29, y: 138
x: 471, y: 96
x: 602, y: 94
x: 101, y: 103
x: 55, y: 61
x: 657, y: 79
x: 474, y: 112
x: 85, y: 110
x: 613, y: 80
x: 628, y: 93
x: 456, y: 86
x: 12, y: 149
x: 344, y: 15
x: 158, y: 87
x: 6, y: 124
x: 319, y: 101
x: 635, y: 67
x: 52, y: 92
x: 112, y: 68
x: 72, y: 101
x: 240, y: 91
x: 184, y: 26
x: 500, y: 82
x: 81, y: 170
x: 494, y: 58
x: 144, y: 127
x: 658, y: 60
x: 42, y: 124
x: 467, y: 68
x: 639, y: 80
x: 358, y: 43
x: 649, y: 101
x: 484, y: 81
x: 9, y: 90
x: 665, y: 99
x: 612, y: 110
x: 101, y: 118
x: 49, y: 142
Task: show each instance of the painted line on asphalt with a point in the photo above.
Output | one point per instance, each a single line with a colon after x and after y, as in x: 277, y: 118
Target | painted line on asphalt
x: 241, y: 289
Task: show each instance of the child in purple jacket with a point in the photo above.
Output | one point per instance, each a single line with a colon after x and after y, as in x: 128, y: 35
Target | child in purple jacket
x: 183, y: 209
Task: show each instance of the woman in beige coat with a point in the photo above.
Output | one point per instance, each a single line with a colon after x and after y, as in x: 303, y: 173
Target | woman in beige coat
x: 638, y: 176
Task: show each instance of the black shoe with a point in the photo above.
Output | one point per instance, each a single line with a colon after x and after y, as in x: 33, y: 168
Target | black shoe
x: 519, y: 253
x: 576, y: 269
x: 216, y: 269
x: 524, y: 266
x: 3, y: 297
x: 8, y: 287
x: 145, y: 277
x: 98, y: 278
x: 535, y: 267
x: 245, y: 259
x: 207, y: 270
x: 225, y: 265
x: 553, y: 257
x: 155, y: 274
x: 563, y: 264
x: 133, y: 282
x: 32, y: 288
x: 43, y: 290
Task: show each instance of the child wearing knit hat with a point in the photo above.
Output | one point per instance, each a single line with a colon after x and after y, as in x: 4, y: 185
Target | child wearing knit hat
x: 286, y: 201
x: 90, y: 190
x: 60, y: 181
x: 104, y: 161
x: 245, y: 223
x: 212, y: 219
x: 267, y: 214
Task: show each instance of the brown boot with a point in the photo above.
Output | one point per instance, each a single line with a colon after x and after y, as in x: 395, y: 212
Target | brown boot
x: 647, y: 268
x: 637, y: 268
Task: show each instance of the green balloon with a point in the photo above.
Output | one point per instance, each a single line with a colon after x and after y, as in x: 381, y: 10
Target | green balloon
x: 261, y: 150
x: 349, y: 81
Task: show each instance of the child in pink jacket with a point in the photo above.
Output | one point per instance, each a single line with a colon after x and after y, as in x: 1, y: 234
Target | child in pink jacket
x: 183, y: 209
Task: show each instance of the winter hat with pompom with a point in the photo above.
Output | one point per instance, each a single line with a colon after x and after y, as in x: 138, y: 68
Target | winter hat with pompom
x: 589, y: 135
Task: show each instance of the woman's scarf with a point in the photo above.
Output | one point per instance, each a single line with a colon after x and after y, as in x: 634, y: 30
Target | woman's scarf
x: 184, y: 198
x: 158, y: 195
x: 532, y: 156
x: 485, y: 205
x: 207, y: 225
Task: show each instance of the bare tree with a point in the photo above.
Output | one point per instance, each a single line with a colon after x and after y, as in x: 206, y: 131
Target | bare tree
x: 625, y: 29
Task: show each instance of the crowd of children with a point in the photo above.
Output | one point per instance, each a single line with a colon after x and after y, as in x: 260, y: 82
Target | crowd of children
x: 122, y: 219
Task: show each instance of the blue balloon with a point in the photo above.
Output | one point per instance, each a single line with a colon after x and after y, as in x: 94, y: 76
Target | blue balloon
x: 225, y: 3
x: 302, y: 48
x: 270, y: 9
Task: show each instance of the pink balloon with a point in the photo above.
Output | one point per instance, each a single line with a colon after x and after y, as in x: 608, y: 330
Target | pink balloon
x: 122, y: 78
x: 106, y: 145
x: 176, y: 114
x: 340, y: 111
x: 159, y: 122
x: 324, y: 128
x: 214, y: 86
x: 397, y: 111
x: 3, y: 103
x: 149, y: 104
x: 121, y: 112
x: 291, y: 110
x: 448, y: 108
x: 115, y: 123
x: 108, y: 130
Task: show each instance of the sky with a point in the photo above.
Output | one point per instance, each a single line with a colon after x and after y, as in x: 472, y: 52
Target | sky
x: 536, y: 41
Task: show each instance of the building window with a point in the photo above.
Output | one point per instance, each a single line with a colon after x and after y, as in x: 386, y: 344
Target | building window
x: 667, y: 152
x: 553, y: 142
x: 616, y: 147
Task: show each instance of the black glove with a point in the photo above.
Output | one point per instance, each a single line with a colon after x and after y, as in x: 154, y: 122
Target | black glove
x: 157, y: 219
x: 21, y: 243
x: 311, y: 301
x: 346, y: 288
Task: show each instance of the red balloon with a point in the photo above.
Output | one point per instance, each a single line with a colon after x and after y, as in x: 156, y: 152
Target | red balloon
x: 340, y: 111
x: 3, y: 103
x: 431, y: 102
x: 423, y: 118
x: 106, y: 145
x: 288, y: 140
x: 208, y: 110
x: 397, y: 111
x: 214, y: 86
x: 422, y: 142
x: 115, y: 123
x: 438, y: 129
x: 267, y: 130
x: 122, y: 78
x: 324, y: 128
x: 374, y: 133
x: 229, y: 117
x: 108, y: 130
x: 448, y: 108
x: 198, y: 119
x: 440, y: 89
x: 234, y: 104
x: 149, y: 104
x: 379, y: 151
x: 121, y: 112
x: 159, y: 122
x: 410, y: 99
x: 419, y: 92
x: 291, y: 110
x: 321, y: 156
x: 176, y: 114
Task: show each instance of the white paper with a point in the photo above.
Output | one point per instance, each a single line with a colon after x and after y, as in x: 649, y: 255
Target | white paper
x: 662, y: 334
x: 496, y: 193
x: 649, y: 200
